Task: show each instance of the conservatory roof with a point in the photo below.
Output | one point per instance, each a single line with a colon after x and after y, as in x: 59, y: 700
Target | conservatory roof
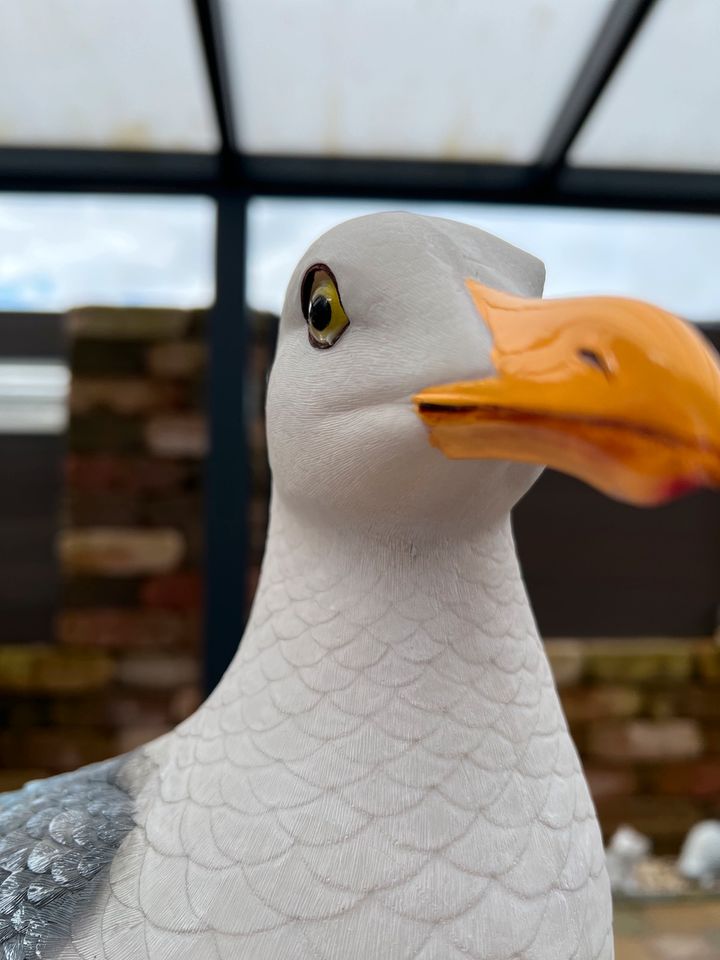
x: 605, y: 102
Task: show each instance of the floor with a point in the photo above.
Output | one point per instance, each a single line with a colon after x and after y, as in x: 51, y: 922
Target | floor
x: 688, y: 930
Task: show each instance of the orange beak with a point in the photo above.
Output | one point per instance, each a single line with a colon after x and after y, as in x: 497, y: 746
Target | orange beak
x: 616, y: 392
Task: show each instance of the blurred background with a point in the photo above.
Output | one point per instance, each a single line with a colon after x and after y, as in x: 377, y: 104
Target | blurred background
x: 162, y: 167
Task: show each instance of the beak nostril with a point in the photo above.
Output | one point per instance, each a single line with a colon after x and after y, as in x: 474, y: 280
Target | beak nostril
x: 594, y: 359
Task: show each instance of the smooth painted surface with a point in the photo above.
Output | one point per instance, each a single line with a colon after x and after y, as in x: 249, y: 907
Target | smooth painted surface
x: 617, y: 392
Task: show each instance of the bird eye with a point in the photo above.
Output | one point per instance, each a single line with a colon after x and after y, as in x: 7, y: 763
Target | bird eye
x: 322, y: 307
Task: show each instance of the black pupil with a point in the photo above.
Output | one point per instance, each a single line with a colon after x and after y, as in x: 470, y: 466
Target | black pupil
x: 320, y: 312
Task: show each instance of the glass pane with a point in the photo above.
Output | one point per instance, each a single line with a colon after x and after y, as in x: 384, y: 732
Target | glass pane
x: 412, y: 78
x: 58, y: 252
x: 662, y: 106
x: 126, y: 74
x: 668, y: 259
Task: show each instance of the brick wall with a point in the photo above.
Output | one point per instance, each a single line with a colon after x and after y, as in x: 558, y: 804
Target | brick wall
x: 125, y: 664
x: 645, y: 715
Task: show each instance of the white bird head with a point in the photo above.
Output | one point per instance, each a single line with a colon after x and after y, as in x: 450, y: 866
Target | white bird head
x: 419, y: 381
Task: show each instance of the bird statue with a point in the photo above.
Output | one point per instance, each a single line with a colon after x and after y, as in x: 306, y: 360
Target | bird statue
x: 385, y: 769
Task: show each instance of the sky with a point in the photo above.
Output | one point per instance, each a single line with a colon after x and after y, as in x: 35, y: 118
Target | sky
x: 62, y: 251
x: 669, y: 259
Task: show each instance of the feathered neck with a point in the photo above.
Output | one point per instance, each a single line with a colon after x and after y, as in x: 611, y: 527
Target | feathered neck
x: 353, y: 613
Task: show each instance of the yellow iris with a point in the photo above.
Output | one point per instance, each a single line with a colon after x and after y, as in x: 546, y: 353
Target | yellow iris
x: 325, y: 313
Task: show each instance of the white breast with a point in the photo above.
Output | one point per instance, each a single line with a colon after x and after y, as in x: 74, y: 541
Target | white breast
x: 385, y: 771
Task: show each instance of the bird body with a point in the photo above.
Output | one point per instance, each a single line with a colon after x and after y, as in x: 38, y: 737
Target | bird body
x: 385, y: 769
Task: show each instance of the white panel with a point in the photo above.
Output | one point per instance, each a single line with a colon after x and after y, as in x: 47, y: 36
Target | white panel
x: 662, y: 107
x: 445, y: 79
x: 58, y: 252
x: 33, y: 397
x: 667, y: 258
x: 126, y: 74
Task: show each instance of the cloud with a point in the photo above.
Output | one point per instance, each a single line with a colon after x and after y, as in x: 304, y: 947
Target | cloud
x: 669, y: 259
x: 62, y: 251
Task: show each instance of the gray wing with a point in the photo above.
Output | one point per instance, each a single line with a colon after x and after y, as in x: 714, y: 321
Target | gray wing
x: 56, y: 836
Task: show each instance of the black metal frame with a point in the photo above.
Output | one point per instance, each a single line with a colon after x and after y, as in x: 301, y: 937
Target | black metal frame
x: 227, y: 493
x: 227, y: 490
x: 622, y: 23
x: 232, y: 178
x: 209, y: 21
x: 88, y: 171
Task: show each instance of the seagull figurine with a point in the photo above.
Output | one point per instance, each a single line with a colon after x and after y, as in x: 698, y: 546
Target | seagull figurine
x: 385, y: 769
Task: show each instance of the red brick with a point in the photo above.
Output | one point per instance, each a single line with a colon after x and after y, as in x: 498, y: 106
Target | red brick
x: 135, y: 708
x: 130, y: 738
x: 118, y: 709
x: 41, y: 669
x: 63, y: 673
x: 665, y: 819
x: 100, y: 591
x: 179, y: 435
x: 645, y: 739
x: 175, y: 591
x: 711, y: 735
x: 663, y: 704
x: 158, y: 672
x: 699, y: 778
x: 65, y: 749
x: 708, y: 660
x: 23, y: 711
x: 14, y: 779
x: 123, y: 629
x: 18, y: 666
x: 107, y: 509
x: 104, y: 472
x: 106, y: 431
x: 123, y: 395
x: 697, y: 701
x: 119, y: 551
x: 94, y: 358
x: 185, y: 701
x: 79, y: 711
x: 9, y: 755
x: 128, y: 323
x: 607, y: 782
x: 644, y: 660
x: 183, y: 359
x: 199, y: 324
x: 174, y: 509
x: 600, y: 703
x: 565, y: 656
